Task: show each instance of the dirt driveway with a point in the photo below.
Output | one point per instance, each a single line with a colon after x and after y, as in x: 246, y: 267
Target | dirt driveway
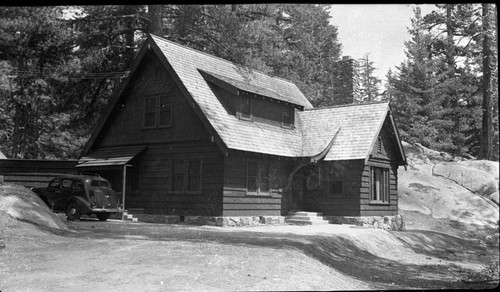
x: 125, y: 256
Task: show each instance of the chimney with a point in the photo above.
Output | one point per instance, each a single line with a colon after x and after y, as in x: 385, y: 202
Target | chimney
x: 345, y: 81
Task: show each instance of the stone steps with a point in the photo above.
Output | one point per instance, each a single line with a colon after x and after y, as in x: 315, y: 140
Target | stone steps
x: 132, y: 214
x: 306, y: 218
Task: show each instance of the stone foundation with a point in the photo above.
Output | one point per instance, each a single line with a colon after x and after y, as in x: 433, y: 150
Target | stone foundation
x: 382, y: 222
x: 234, y: 221
x: 212, y: 220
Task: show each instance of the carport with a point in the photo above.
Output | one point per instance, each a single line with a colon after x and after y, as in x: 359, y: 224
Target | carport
x: 111, y: 159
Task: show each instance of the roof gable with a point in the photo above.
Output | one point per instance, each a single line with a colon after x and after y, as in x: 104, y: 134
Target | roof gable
x: 332, y: 133
x: 360, y: 127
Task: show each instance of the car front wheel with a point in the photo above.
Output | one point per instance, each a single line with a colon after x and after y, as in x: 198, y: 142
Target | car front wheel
x: 73, y: 212
x: 102, y: 216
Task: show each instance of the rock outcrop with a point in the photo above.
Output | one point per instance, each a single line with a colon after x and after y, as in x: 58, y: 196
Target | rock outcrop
x: 441, y: 186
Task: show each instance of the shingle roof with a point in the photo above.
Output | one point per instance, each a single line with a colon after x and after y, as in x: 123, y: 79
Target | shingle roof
x: 360, y: 125
x: 353, y: 127
x: 333, y: 133
x: 110, y: 156
x: 235, y: 133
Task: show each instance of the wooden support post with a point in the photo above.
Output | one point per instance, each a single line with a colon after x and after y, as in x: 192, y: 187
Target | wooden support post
x: 124, y: 185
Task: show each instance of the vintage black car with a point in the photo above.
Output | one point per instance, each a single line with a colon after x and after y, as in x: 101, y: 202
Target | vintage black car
x: 80, y: 194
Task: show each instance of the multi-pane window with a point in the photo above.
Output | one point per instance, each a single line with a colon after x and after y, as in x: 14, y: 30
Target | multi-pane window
x: 194, y: 175
x: 336, y: 179
x: 157, y: 111
x: 245, y: 107
x: 380, y: 185
x: 258, y: 177
x: 288, y: 113
x: 186, y: 175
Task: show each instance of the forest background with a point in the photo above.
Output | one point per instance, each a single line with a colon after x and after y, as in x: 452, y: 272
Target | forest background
x: 60, y: 64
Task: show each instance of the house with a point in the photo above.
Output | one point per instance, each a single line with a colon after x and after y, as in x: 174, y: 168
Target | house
x: 190, y: 134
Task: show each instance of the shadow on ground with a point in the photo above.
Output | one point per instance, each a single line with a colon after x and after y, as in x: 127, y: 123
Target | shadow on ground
x: 337, y: 252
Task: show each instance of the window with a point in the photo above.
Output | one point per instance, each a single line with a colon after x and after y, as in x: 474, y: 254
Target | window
x: 55, y: 184
x: 288, y: 113
x: 245, y: 108
x: 66, y: 184
x: 380, y: 185
x: 157, y: 111
x: 177, y: 175
x: 336, y: 179
x: 258, y: 177
x: 186, y: 175
x: 99, y: 183
x: 194, y: 175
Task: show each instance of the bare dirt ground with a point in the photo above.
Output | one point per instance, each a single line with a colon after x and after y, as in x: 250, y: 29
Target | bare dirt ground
x: 126, y: 256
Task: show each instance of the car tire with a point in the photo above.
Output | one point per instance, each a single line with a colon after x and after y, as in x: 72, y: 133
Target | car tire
x: 102, y: 216
x: 73, y: 212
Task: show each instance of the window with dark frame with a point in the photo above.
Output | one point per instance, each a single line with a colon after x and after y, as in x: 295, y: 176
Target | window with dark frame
x: 245, y: 107
x: 336, y: 178
x: 157, y: 111
x: 379, y: 185
x: 194, y: 175
x: 186, y: 175
x: 288, y: 113
x: 177, y: 175
x: 258, y: 177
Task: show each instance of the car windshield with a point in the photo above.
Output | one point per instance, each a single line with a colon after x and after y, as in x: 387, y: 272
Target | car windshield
x: 99, y: 183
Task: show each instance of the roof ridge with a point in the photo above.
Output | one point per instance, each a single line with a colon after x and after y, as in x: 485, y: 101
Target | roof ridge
x: 346, y: 105
x: 224, y: 60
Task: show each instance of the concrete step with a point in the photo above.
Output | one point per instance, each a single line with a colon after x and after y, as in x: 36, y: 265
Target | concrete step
x: 306, y: 222
x: 305, y: 213
x: 310, y: 218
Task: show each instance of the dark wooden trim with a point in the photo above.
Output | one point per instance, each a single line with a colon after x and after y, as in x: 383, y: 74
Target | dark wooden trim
x: 187, y: 95
x: 116, y: 97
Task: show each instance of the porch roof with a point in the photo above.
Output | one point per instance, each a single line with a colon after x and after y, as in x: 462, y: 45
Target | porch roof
x: 110, y: 156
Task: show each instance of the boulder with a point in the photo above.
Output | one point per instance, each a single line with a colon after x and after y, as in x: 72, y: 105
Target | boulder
x: 22, y: 204
x: 473, y: 179
x: 491, y: 167
x: 441, y: 198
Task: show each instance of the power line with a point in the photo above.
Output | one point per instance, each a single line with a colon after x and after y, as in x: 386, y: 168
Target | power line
x: 96, y: 75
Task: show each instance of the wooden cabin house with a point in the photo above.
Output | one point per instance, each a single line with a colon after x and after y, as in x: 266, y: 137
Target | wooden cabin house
x: 190, y: 134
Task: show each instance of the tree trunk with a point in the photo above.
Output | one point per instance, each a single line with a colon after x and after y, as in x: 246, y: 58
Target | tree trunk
x: 487, y: 129
x: 155, y: 16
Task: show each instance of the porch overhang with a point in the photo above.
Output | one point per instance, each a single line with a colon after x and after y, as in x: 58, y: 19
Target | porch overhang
x: 110, y: 157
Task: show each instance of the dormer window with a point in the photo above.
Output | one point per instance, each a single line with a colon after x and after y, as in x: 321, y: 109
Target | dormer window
x: 288, y: 115
x: 245, y: 107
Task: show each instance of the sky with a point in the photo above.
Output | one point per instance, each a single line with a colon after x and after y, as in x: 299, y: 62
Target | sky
x: 377, y: 29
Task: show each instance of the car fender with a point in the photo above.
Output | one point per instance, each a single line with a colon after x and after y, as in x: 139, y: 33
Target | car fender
x: 82, y: 203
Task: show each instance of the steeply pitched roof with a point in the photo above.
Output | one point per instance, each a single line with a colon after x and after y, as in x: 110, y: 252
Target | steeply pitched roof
x: 235, y: 133
x: 360, y: 126
x: 333, y: 133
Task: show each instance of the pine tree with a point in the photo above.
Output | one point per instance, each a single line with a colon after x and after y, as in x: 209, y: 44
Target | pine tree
x: 369, y: 83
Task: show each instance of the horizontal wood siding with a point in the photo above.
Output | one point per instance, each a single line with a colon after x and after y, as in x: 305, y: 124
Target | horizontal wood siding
x: 37, y: 166
x: 236, y: 201
x: 375, y: 209
x: 154, y: 193
x: 346, y: 204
